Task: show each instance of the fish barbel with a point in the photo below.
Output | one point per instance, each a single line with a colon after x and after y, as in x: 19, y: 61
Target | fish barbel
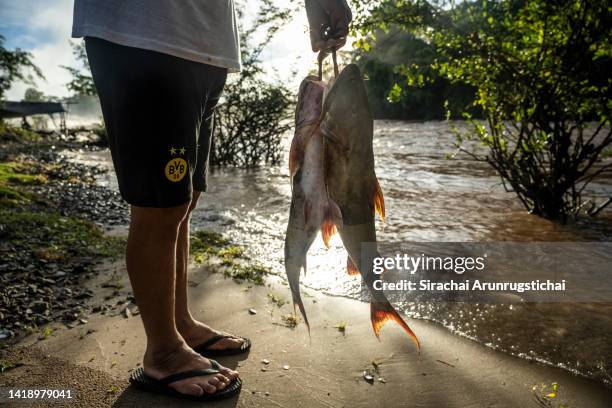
x: 335, y: 185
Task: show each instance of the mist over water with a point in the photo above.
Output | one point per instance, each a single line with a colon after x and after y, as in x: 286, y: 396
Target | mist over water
x: 84, y: 111
x: 429, y: 198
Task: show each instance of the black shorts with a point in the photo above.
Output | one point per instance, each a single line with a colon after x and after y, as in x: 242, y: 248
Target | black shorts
x: 158, y: 111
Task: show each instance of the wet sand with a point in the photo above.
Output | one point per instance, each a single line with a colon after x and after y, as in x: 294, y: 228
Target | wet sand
x: 324, y: 371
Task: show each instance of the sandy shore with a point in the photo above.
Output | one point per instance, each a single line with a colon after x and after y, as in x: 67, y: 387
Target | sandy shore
x: 324, y: 371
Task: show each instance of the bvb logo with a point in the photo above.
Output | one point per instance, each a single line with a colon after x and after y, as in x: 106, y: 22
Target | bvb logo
x: 176, y: 168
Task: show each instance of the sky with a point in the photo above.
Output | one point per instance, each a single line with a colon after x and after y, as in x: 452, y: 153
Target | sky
x: 43, y: 28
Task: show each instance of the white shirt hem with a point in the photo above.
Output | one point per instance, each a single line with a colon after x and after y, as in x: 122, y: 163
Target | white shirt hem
x: 88, y: 30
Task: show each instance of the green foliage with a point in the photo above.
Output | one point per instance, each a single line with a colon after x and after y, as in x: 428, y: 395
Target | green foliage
x: 10, y: 133
x: 82, y: 82
x: 206, y: 245
x: 250, y: 123
x: 46, y: 333
x: 33, y: 95
x: 229, y: 254
x: 290, y: 320
x: 14, y: 175
x: 254, y: 112
x: 17, y: 173
x: 40, y: 232
x: 541, y: 74
x: 401, y: 83
x: 341, y: 326
x: 253, y: 273
x: 277, y: 300
x: 16, y: 65
x: 63, y: 237
x: 7, y: 365
x: 11, y: 197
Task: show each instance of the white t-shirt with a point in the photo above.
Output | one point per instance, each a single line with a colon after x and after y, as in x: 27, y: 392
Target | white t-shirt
x: 198, y: 30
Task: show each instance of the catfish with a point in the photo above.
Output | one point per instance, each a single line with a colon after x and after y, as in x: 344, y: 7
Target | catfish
x: 334, y: 185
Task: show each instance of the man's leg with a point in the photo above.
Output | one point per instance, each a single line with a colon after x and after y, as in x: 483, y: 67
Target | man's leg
x: 150, y: 259
x: 193, y: 331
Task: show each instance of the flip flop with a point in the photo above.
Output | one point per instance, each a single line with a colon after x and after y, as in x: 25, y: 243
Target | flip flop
x: 204, y: 350
x: 140, y: 380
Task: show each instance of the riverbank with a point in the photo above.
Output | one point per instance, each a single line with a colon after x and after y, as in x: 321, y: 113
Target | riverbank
x: 87, y: 334
x: 325, y: 371
x: 54, y: 229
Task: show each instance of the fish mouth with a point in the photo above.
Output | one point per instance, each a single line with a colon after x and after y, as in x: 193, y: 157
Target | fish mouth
x: 308, y: 111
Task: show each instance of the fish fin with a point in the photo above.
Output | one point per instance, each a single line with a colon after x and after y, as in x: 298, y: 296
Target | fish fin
x: 381, y: 312
x: 379, y: 201
x: 328, y: 227
x: 351, y: 268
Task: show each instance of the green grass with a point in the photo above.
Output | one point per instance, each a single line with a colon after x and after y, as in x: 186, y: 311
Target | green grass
x: 253, y: 273
x: 204, y: 240
x: 204, y: 244
x: 207, y: 245
x: 113, y: 389
x: 53, y: 237
x: 9, y: 133
x: 277, y: 300
x: 341, y: 327
x: 6, y: 365
x: 290, y: 320
x: 11, y: 196
x: 229, y: 254
x: 13, y: 177
x: 46, y: 333
x: 19, y: 173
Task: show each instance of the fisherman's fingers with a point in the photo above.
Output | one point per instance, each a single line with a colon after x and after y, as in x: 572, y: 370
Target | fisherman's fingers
x: 317, y: 20
x: 329, y: 23
x: 340, y: 17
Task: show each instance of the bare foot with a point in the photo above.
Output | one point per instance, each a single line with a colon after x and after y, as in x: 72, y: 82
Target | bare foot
x: 182, y: 358
x: 196, y: 333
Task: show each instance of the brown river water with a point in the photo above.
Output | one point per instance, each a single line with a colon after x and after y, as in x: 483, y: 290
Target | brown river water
x: 429, y: 198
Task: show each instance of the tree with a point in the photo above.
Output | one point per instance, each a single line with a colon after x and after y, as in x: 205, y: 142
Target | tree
x: 16, y: 65
x: 33, y: 95
x: 424, y: 96
x: 82, y: 82
x: 254, y: 113
x: 542, y: 74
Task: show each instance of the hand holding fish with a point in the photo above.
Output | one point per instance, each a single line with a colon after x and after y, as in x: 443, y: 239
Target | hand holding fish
x: 329, y: 21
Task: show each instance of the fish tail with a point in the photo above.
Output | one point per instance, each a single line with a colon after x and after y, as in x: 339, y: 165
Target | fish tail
x: 300, y: 306
x: 381, y: 312
x: 379, y: 201
x: 351, y: 268
x: 294, y: 285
